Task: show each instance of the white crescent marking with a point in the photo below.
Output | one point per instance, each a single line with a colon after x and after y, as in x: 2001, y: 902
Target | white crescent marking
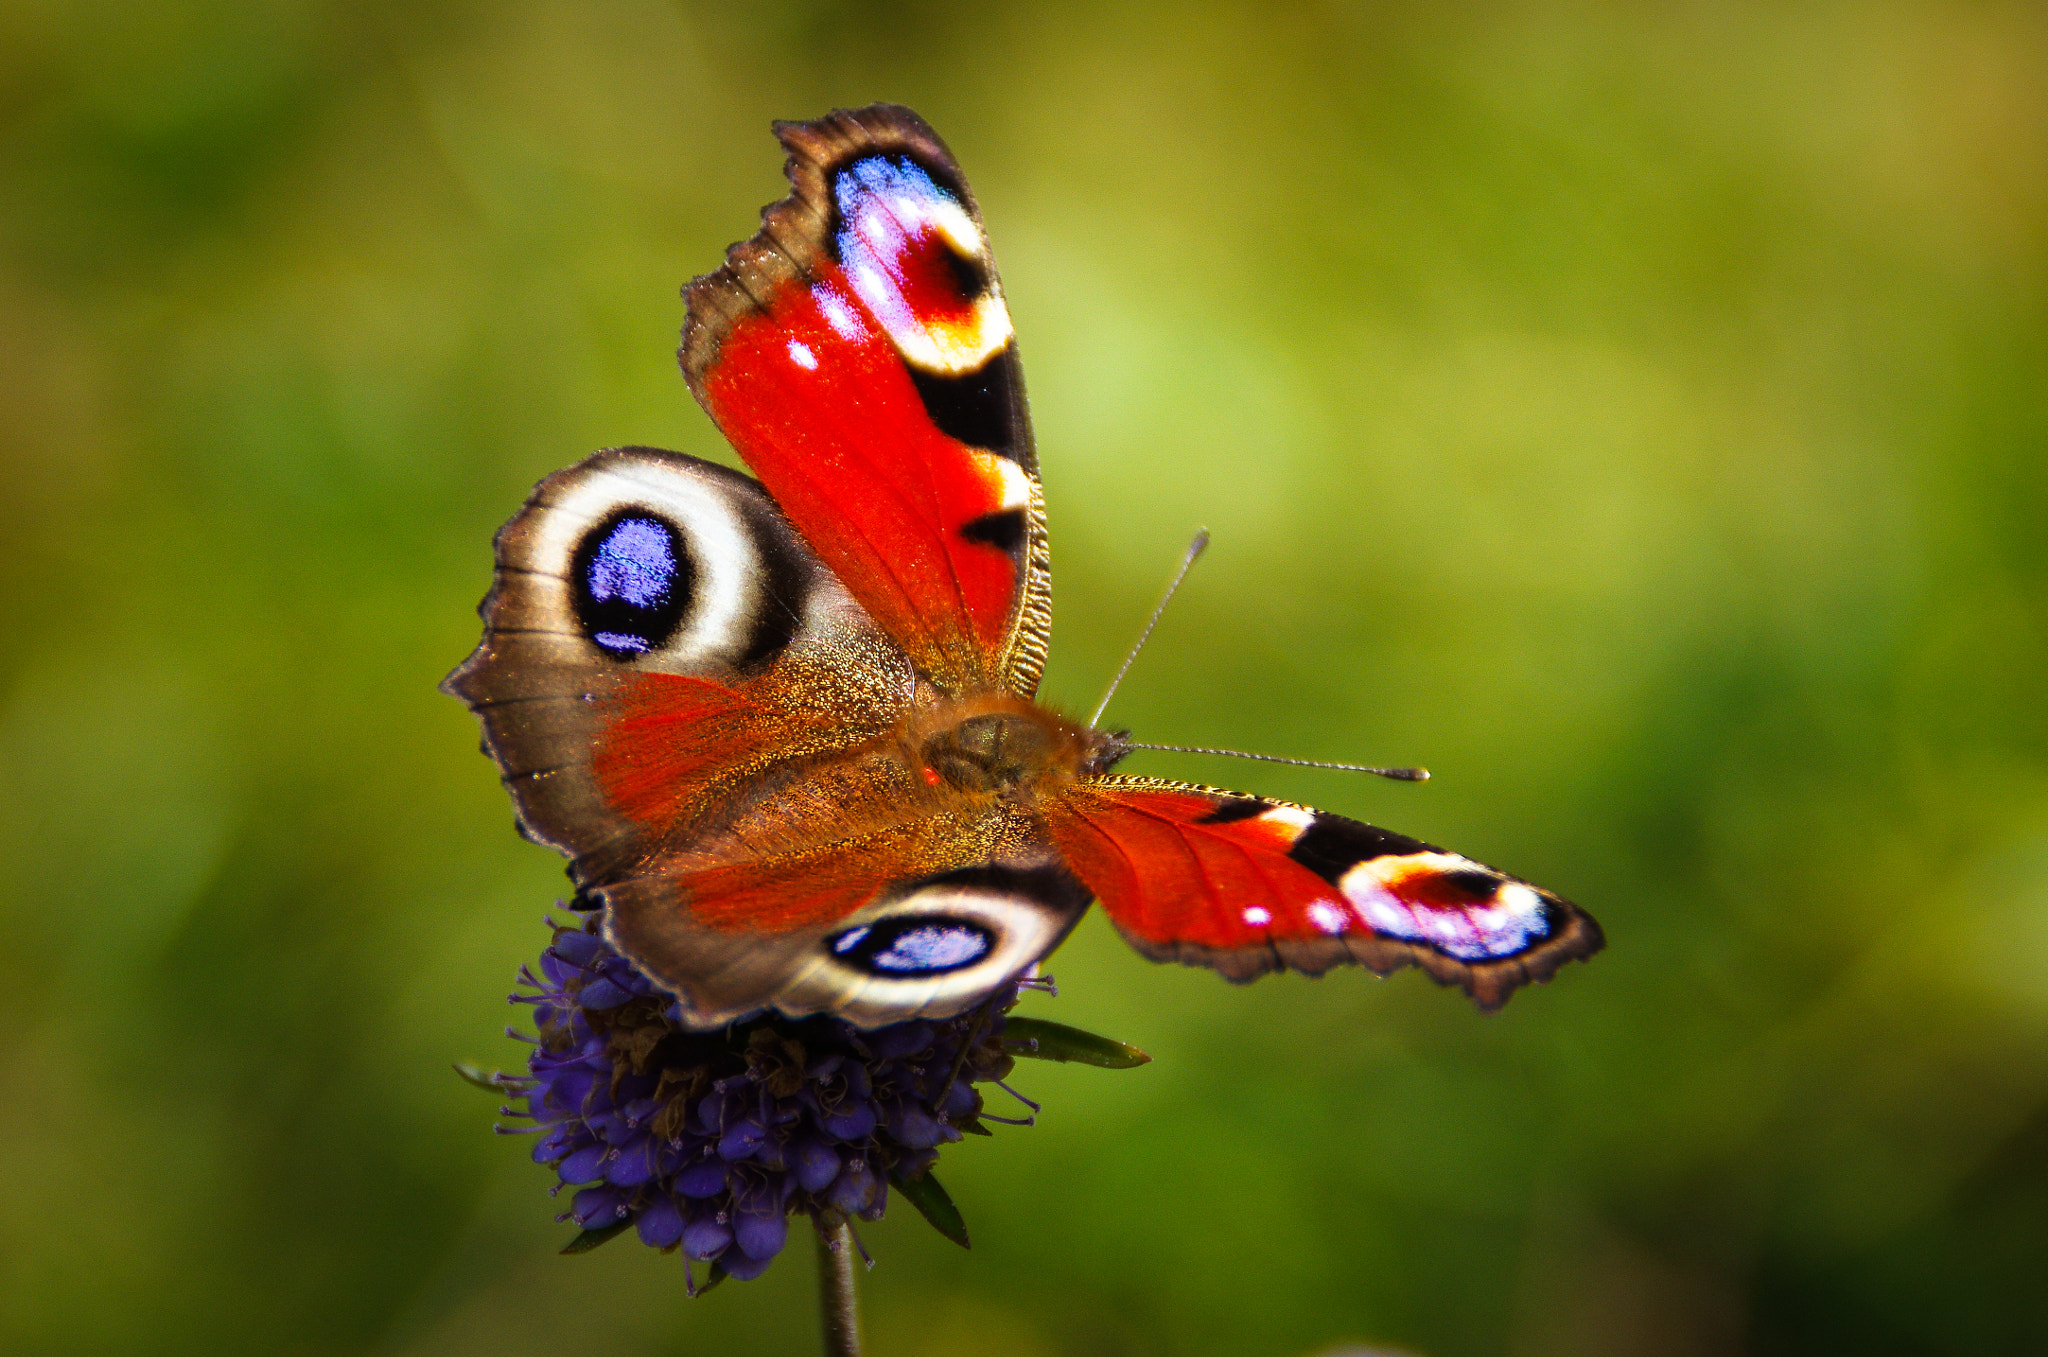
x: 718, y: 540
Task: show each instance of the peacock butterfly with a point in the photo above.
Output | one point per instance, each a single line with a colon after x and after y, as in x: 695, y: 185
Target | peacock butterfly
x: 785, y: 728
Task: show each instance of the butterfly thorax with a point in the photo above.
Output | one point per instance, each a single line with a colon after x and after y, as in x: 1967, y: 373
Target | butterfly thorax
x: 1005, y: 746
x: 950, y: 771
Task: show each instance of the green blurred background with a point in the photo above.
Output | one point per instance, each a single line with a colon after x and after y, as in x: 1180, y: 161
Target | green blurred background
x: 1635, y: 413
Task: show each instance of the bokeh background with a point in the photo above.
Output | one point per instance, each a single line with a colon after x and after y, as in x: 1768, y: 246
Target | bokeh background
x: 1634, y: 412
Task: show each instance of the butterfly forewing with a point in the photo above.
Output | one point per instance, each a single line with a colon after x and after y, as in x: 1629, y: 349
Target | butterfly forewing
x: 1245, y: 886
x: 858, y: 353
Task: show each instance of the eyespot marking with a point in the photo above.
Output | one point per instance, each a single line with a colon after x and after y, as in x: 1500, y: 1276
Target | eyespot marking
x: 914, y: 945
x: 839, y: 314
x: 915, y: 258
x: 1330, y: 845
x: 1429, y: 899
x: 1473, y: 883
x: 631, y: 581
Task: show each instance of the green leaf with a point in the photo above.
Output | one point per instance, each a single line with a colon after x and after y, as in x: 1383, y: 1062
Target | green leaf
x: 590, y: 1239
x: 1036, y: 1039
x: 473, y: 1073
x: 932, y: 1202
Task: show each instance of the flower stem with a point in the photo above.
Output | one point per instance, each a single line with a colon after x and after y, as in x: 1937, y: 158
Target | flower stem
x: 838, y: 1302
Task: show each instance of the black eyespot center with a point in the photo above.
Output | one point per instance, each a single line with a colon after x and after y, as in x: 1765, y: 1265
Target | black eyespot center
x: 1475, y: 883
x: 970, y: 276
x: 909, y: 946
x: 631, y: 582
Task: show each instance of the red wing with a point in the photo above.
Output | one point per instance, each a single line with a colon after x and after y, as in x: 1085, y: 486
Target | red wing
x: 1247, y: 886
x: 858, y: 354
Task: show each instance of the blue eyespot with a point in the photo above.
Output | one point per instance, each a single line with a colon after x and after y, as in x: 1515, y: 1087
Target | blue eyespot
x: 635, y: 562
x: 933, y: 948
x: 877, y: 193
x: 631, y: 580
x: 914, y: 945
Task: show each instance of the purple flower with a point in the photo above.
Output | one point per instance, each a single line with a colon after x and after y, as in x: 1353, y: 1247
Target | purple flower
x: 708, y: 1142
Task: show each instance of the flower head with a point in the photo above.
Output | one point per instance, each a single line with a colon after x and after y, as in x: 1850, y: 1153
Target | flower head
x: 707, y: 1142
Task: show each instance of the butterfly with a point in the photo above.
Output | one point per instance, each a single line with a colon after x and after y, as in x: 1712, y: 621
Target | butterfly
x: 785, y: 727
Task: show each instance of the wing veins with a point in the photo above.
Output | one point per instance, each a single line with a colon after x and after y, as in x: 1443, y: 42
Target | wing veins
x: 881, y: 557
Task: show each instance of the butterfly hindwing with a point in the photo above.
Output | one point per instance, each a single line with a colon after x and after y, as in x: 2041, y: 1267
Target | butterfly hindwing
x: 873, y: 929
x: 1246, y: 886
x: 858, y: 353
x: 638, y: 594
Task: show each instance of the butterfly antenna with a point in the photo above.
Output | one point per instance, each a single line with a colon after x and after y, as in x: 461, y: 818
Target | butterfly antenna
x: 1195, y: 549
x: 1398, y: 774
